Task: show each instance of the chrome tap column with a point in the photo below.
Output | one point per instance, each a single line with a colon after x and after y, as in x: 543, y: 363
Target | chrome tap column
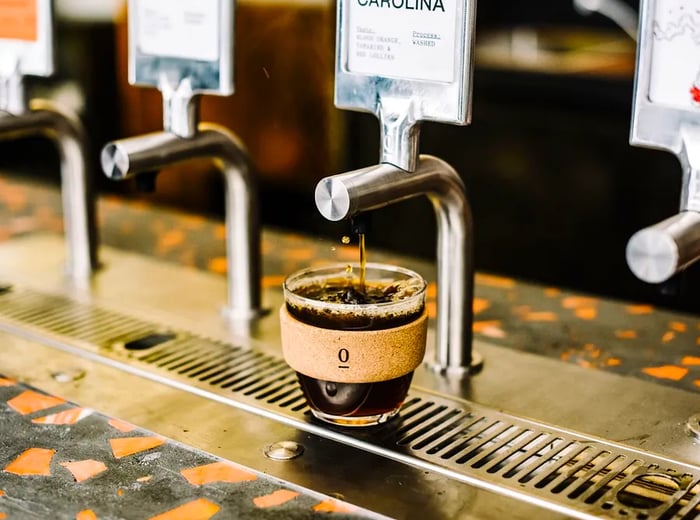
x: 30, y: 52
x: 408, y: 66
x: 667, y: 117
x: 160, y: 55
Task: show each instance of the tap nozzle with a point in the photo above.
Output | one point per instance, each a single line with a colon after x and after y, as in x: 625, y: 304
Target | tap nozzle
x: 141, y: 156
x: 658, y: 252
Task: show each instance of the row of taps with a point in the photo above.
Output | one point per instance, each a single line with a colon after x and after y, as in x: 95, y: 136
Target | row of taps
x: 401, y: 173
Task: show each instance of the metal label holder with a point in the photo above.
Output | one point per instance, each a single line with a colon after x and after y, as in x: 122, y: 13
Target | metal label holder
x: 26, y: 49
x: 667, y: 89
x: 184, y: 48
x: 405, y: 61
x: 26, y: 38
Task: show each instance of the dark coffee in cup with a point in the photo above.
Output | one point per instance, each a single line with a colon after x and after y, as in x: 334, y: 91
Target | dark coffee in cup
x: 354, y: 348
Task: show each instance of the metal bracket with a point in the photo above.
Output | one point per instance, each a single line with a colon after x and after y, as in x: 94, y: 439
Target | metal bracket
x: 184, y: 48
x: 405, y: 61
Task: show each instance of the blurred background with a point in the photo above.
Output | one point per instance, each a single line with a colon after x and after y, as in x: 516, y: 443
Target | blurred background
x: 555, y: 187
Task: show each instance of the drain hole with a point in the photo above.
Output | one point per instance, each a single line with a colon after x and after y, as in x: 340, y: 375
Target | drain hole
x: 610, y: 476
x: 5, y: 289
x: 150, y: 341
x: 648, y: 491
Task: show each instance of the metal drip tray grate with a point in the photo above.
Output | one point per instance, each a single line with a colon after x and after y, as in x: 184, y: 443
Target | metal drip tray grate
x: 574, y: 474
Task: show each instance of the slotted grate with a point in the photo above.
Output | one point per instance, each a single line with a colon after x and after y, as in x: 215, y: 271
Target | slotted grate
x: 567, y: 472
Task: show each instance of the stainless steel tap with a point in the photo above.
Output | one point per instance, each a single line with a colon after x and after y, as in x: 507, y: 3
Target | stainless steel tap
x: 40, y: 117
x: 145, y: 154
x: 344, y: 195
x: 403, y: 85
x: 666, y: 117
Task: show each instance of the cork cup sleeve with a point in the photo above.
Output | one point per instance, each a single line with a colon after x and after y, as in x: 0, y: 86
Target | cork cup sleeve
x: 353, y: 356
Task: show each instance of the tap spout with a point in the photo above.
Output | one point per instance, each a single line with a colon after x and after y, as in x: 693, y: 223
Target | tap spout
x: 144, y: 154
x: 45, y: 119
x: 344, y: 195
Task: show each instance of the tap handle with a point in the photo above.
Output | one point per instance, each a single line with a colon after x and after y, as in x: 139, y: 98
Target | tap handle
x: 26, y: 49
x: 184, y: 49
x: 656, y: 253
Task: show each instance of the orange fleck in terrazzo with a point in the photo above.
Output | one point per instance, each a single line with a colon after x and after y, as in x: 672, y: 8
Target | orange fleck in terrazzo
x: 30, y: 401
x: 169, y: 240
x: 697, y: 383
x: 586, y: 313
x: 217, y: 265
x: 552, y: 292
x: 276, y: 498
x: 691, y: 361
x: 300, y: 254
x: 672, y: 372
x: 480, y: 305
x: 120, y: 492
x: 66, y: 417
x: 577, y: 302
x: 83, y: 470
x: 2, y: 493
x: 144, y: 479
x: 668, y: 336
x: 546, y: 316
x: 4, y: 381
x: 272, y: 281
x: 490, y: 280
x: 125, y: 446
x: 431, y: 309
x: 200, y: 509
x: 626, y: 334
x: 613, y: 362
x: 678, y: 326
x: 481, y: 325
x: 333, y: 506
x: 86, y: 514
x: 638, y: 310
x: 34, y: 461
x: 3, y: 516
x: 122, y: 426
x: 216, y: 472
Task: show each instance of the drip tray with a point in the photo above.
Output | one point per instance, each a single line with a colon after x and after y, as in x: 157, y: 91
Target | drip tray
x: 563, y: 471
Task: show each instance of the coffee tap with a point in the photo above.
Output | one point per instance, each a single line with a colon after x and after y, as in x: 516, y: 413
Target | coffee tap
x: 20, y: 118
x: 667, y: 116
x: 412, y: 86
x: 184, y: 138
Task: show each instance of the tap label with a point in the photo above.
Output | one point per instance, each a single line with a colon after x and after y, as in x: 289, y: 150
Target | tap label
x: 18, y: 20
x: 172, y: 41
x: 26, y: 37
x: 186, y: 29
x: 412, y: 39
x: 675, y: 54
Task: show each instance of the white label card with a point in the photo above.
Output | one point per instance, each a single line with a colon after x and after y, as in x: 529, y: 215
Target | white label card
x: 407, y: 39
x: 187, y: 29
x: 675, y: 58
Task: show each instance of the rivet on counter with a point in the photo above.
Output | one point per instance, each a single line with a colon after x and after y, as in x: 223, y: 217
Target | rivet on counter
x: 284, y: 450
x: 694, y: 425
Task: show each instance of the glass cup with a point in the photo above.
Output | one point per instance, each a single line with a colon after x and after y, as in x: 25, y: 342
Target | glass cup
x: 354, y: 348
